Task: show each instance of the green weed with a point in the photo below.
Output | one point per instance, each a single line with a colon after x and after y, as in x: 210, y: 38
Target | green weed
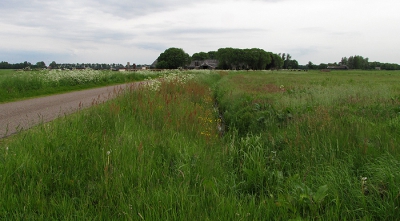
x: 312, y: 146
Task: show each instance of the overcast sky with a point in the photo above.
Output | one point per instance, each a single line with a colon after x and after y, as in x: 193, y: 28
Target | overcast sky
x: 108, y: 31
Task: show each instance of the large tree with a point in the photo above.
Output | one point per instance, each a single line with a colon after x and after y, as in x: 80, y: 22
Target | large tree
x: 173, y: 58
x: 53, y: 65
x: 40, y: 64
x: 311, y: 66
x: 277, y: 62
x: 234, y: 58
x: 200, y: 56
x: 212, y: 54
x: 322, y: 66
x: 356, y: 62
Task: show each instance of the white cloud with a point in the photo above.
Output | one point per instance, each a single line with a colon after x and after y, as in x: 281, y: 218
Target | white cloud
x: 138, y: 31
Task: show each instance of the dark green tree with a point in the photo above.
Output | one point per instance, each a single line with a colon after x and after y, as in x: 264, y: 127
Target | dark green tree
x: 212, y: 54
x: 224, y: 58
x: 162, y: 65
x: 350, y: 62
x: 276, y: 63
x: 259, y: 59
x: 357, y: 62
x: 344, y: 61
x: 311, y: 66
x: 173, y: 58
x: 234, y: 58
x: 293, y: 64
x: 322, y: 66
x: 53, y: 65
x: 200, y: 56
x: 40, y: 64
x: 5, y: 65
x: 288, y: 63
x: 27, y: 64
x: 365, y: 64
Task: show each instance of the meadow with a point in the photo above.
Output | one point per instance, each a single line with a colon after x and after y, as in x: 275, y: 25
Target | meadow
x: 17, y: 85
x: 216, y: 145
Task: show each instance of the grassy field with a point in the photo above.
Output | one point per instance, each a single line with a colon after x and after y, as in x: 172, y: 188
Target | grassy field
x: 217, y: 146
x: 319, y: 144
x: 16, y: 85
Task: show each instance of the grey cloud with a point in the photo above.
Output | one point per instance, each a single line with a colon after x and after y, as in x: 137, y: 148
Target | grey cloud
x: 132, y: 9
x: 66, y: 20
x: 199, y: 31
x: 151, y: 46
x: 327, y: 31
x: 57, y: 22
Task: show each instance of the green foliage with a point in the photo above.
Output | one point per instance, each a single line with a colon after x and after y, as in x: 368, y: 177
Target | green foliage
x: 200, y: 56
x: 311, y: 66
x: 53, y: 65
x: 212, y: 54
x: 359, y: 62
x: 276, y: 63
x: 162, y: 65
x: 322, y: 66
x: 172, y: 58
x: 309, y: 146
x: 40, y: 65
x: 6, y: 65
x: 311, y: 141
x: 131, y: 158
x: 288, y: 63
x: 233, y: 58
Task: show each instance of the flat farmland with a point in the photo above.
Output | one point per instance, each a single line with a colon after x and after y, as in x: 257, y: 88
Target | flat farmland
x: 217, y: 145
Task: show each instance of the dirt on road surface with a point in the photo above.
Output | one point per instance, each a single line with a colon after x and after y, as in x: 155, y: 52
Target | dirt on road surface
x: 21, y: 115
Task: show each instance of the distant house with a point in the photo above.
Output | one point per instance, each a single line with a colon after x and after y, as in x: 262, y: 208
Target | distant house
x: 210, y: 64
x: 154, y: 64
x: 339, y: 67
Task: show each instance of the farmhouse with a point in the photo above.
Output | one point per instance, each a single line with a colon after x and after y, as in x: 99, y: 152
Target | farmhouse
x: 210, y: 64
x: 154, y: 64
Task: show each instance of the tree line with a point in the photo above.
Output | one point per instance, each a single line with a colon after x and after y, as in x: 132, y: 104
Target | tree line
x: 357, y: 62
x: 24, y: 65
x: 228, y: 58
x: 54, y: 65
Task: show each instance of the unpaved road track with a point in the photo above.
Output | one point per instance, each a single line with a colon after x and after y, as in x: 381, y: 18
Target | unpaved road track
x: 22, y: 115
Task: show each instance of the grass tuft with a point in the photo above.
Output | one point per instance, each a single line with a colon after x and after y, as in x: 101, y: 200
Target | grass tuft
x: 216, y: 146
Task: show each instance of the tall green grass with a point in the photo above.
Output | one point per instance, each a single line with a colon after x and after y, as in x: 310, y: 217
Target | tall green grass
x: 321, y: 145
x: 149, y: 154
x: 295, y: 147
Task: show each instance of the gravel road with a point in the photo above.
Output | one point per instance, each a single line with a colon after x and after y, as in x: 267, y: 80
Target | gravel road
x: 22, y: 115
